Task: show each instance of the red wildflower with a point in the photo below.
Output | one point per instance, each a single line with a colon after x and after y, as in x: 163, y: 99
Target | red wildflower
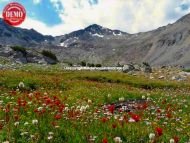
x: 16, y: 117
x: 61, y: 108
x: 13, y: 92
x: 7, y: 109
x: 105, y: 140
x: 57, y: 102
x: 135, y: 117
x: 158, y: 111
x: 48, y: 101
x: 176, y: 139
x: 35, y: 110
x: 111, y: 108
x: 7, y: 118
x: 57, y: 116
x: 54, y: 98
x: 114, y: 126
x: 169, y: 115
x: 1, y: 126
x: 21, y: 103
x: 159, y: 131
x: 104, y: 119
x: 130, y: 113
x: 54, y: 123
x: 42, y: 111
x: 144, y: 106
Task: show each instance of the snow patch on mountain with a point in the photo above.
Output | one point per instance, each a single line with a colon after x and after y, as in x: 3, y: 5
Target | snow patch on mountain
x: 67, y: 42
x: 98, y: 35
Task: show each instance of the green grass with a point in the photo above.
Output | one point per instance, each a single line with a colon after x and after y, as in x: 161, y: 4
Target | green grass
x: 52, y: 88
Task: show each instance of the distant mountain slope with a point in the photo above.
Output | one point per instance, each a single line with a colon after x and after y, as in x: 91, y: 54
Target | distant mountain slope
x: 17, y: 36
x: 167, y: 45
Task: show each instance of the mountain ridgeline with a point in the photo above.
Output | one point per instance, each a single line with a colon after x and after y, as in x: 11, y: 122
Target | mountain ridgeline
x: 167, y: 45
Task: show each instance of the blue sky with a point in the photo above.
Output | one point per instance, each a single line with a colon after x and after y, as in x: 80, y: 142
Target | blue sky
x: 57, y: 17
x: 42, y: 11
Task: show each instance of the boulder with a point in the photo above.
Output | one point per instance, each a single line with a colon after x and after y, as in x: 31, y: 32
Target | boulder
x: 50, y: 60
x: 19, y: 57
x: 137, y: 67
x: 146, y: 68
x: 128, y: 68
x: 161, y: 77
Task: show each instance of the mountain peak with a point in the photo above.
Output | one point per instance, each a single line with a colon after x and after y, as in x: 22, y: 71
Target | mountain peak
x: 94, y: 27
x: 100, y: 30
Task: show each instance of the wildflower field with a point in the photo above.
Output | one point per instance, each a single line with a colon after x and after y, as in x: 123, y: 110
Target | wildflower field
x: 56, y: 106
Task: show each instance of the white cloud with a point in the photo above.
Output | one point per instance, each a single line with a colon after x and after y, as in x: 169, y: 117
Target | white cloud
x: 41, y: 27
x: 128, y: 15
x: 180, y: 11
x: 36, y: 1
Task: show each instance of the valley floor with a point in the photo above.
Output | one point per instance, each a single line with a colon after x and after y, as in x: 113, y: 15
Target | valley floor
x: 52, y: 105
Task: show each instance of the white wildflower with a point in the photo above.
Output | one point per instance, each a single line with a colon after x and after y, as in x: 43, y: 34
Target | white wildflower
x: 109, y: 95
x: 152, y: 136
x: 172, y: 141
x: 50, y: 137
x: 117, y: 140
x: 24, y: 133
x: 148, y: 99
x: 82, y: 108
x: 40, y: 108
x: 26, y: 123
x: 57, y: 127
x: 89, y: 101
x: 6, y: 142
x: 66, y: 109
x: 131, y: 120
x: 50, y: 133
x: 21, y: 85
x: 30, y: 94
x: 30, y: 102
x: 121, y: 99
x: 1, y: 102
x: 143, y: 97
x: 35, y: 122
x: 16, y: 123
x: 92, y: 138
x: 87, y: 106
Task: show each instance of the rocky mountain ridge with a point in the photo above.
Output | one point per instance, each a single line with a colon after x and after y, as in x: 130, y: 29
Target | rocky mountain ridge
x: 167, y: 45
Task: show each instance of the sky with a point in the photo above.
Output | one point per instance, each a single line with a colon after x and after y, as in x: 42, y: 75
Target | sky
x: 58, y: 17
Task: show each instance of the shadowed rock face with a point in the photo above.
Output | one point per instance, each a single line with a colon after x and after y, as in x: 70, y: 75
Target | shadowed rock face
x: 168, y: 45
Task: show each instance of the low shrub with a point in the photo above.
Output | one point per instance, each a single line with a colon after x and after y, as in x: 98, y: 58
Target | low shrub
x: 19, y: 49
x: 49, y: 54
